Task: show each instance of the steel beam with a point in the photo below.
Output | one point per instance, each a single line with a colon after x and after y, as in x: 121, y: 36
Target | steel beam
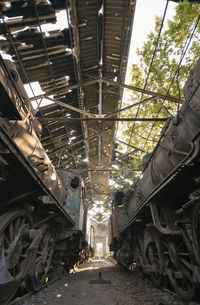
x: 66, y: 146
x: 148, y: 92
x: 130, y: 106
x: 104, y: 170
x: 136, y: 148
x: 69, y: 106
x: 77, y: 57
x: 68, y: 88
x: 63, y: 119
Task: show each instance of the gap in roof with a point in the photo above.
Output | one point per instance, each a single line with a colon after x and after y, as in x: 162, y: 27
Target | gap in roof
x: 143, y: 24
x: 6, y: 56
x: 34, y: 89
x: 61, y: 23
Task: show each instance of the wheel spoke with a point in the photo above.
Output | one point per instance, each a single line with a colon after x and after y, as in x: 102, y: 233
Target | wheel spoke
x: 43, y: 260
x: 11, y: 232
x: 14, y: 250
x: 179, y: 269
x: 138, y: 253
x: 16, y: 225
x: 153, y: 256
x: 7, y: 242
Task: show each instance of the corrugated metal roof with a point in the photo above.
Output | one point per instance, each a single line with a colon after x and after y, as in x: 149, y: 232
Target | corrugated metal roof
x: 72, y: 65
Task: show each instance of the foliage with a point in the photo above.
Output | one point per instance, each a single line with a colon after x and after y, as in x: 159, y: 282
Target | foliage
x: 125, y: 181
x: 111, y: 259
x: 99, y: 216
x: 167, y: 76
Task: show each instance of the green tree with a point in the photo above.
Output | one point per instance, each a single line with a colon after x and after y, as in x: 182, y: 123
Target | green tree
x: 167, y: 75
x: 177, y: 50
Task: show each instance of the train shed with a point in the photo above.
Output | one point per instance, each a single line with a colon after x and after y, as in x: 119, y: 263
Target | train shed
x: 57, y: 220
x: 76, y: 53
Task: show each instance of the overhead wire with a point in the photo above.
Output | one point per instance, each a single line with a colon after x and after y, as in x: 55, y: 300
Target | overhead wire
x: 151, y: 63
x: 183, y: 53
x: 176, y: 74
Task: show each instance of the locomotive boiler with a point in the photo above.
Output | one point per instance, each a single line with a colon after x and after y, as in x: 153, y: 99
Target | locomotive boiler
x: 157, y: 231
x: 42, y: 212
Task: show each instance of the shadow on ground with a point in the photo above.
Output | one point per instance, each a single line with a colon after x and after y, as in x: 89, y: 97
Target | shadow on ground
x: 125, y: 289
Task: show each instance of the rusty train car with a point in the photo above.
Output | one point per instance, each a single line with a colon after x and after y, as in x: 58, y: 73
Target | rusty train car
x: 43, y: 217
x: 158, y: 230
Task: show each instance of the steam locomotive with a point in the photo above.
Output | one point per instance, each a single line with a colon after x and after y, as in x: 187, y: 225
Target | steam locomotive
x: 43, y: 218
x: 157, y: 231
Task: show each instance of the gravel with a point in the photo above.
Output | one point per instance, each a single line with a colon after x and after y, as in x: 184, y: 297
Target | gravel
x: 126, y: 288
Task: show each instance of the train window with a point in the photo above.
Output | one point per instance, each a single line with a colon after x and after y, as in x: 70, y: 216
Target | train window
x: 74, y: 183
x: 119, y: 195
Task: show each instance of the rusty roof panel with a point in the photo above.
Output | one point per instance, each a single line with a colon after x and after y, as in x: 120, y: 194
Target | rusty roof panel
x: 94, y: 46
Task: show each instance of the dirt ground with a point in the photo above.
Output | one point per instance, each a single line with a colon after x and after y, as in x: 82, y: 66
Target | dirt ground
x: 126, y: 288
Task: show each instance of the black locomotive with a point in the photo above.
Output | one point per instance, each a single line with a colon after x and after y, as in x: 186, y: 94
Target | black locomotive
x: 42, y: 213
x: 158, y: 230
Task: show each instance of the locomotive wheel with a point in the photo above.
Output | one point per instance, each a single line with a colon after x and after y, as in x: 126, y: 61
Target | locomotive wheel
x: 14, y: 227
x: 153, y: 256
x: 179, y: 268
x: 43, y: 260
x: 138, y: 252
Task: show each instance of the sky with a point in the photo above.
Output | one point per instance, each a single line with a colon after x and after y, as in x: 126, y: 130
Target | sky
x: 143, y: 24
